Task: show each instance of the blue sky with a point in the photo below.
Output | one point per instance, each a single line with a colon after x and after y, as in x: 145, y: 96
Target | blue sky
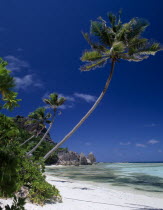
x: 42, y: 42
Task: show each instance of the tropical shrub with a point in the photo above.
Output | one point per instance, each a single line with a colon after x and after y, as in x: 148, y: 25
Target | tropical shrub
x: 17, y: 170
x: 40, y: 190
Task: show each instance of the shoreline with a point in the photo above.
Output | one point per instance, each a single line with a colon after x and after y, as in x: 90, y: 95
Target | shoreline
x: 79, y: 196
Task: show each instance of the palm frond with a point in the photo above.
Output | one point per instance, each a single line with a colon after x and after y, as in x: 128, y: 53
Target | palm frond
x: 136, y: 27
x: 94, y: 65
x: 53, y: 97
x: 48, y: 115
x: 112, y: 18
x: 105, y: 34
x: 96, y: 28
x: 131, y: 30
x: 91, y: 56
x: 95, y: 46
x: 61, y: 101
x: 150, y: 50
x: 135, y: 57
x: 47, y: 101
x: 118, y: 47
x: 136, y: 44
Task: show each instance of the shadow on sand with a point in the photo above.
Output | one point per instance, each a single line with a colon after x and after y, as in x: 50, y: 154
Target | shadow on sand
x: 127, y: 205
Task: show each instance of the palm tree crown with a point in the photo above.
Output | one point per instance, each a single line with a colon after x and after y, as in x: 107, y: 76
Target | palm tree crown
x: 40, y: 116
x: 54, y: 101
x: 117, y: 41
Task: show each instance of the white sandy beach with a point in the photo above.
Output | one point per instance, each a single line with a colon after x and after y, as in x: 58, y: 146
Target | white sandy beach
x: 80, y: 196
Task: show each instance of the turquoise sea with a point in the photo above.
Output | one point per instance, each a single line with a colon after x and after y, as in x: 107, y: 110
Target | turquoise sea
x: 141, y: 177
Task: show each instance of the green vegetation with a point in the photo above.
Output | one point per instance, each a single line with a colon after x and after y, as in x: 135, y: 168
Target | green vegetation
x: 8, y: 98
x: 17, y: 168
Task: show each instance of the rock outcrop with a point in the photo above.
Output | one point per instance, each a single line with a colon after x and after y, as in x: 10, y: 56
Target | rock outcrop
x: 73, y: 158
x: 83, y: 159
x: 68, y: 158
x: 91, y: 158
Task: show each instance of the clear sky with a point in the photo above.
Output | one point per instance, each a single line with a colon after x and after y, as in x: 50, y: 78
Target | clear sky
x: 42, y: 42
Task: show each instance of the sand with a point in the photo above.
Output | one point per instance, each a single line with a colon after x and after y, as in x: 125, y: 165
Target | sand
x: 82, y: 196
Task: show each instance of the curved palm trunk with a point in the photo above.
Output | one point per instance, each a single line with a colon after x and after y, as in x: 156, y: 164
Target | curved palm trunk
x: 27, y: 140
x: 87, y: 114
x: 44, y: 136
x: 32, y: 137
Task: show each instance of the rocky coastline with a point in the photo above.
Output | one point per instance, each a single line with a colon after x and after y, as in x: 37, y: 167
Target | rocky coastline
x: 65, y: 157
x: 73, y: 158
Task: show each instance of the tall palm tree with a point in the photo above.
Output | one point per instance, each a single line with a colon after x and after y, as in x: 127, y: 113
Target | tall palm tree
x: 38, y: 119
x: 53, y: 102
x: 115, y: 42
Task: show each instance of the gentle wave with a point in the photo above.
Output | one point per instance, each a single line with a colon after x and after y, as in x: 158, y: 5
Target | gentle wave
x: 139, y: 176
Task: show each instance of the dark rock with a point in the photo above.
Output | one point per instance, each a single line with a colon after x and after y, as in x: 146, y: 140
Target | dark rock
x: 68, y: 158
x: 83, y: 160
x: 73, y: 158
x: 91, y: 157
x: 23, y: 192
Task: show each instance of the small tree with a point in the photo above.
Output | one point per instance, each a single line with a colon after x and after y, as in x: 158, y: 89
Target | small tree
x: 38, y: 119
x: 53, y: 103
x: 115, y: 42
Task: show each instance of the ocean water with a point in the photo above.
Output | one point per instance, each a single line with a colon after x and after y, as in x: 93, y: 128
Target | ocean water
x: 142, y: 177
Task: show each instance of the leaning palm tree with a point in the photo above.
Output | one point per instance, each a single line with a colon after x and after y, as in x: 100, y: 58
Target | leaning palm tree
x: 38, y: 119
x: 115, y: 42
x: 53, y: 102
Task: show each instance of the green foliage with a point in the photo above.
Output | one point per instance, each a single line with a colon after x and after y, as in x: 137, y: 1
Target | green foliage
x: 11, y: 100
x: 91, y: 56
x: 8, y: 130
x: 9, y: 180
x: 40, y: 190
x: 117, y: 47
x: 53, y: 101
x: 8, y: 156
x: 41, y: 151
x: 18, y: 204
x: 117, y: 41
x: 40, y: 115
x: 7, y: 83
x: 17, y: 170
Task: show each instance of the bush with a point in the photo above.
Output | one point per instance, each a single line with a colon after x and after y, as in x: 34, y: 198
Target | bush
x: 9, y: 179
x: 41, y: 190
x: 17, y: 170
